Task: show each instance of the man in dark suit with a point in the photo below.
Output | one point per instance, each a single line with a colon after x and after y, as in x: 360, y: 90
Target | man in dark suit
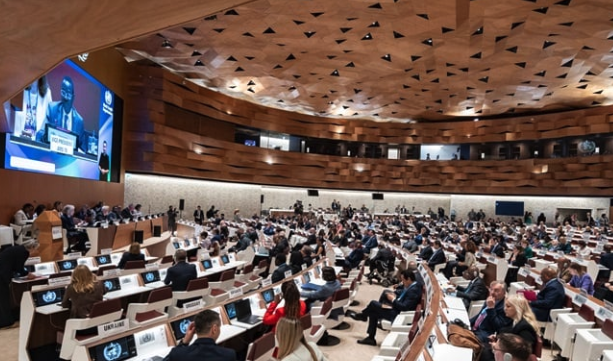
x: 326, y: 290
x: 405, y: 297
x: 198, y: 215
x: 426, y: 252
x: 12, y: 262
x: 207, y: 326
x: 607, y: 260
x: 550, y: 297
x: 62, y: 114
x: 179, y: 275
x: 492, y: 316
x: 476, y: 289
x: 438, y: 255
x: 282, y: 267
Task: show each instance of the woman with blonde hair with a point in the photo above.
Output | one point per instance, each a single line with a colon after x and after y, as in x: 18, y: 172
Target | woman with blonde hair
x: 524, y: 325
x: 292, y: 344
x: 83, y: 291
x: 133, y: 254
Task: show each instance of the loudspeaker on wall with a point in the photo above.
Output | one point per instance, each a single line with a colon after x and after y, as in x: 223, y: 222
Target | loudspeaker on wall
x: 181, y: 204
x: 138, y: 236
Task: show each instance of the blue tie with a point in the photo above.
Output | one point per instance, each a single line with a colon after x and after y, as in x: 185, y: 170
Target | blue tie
x: 404, y: 292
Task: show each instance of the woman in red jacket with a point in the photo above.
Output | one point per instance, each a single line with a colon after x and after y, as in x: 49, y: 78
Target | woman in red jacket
x: 288, y: 306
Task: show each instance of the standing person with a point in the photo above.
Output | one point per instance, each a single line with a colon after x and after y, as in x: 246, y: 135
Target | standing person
x: 211, y: 212
x: 104, y: 164
x: 292, y: 344
x: 83, y: 291
x: 12, y: 262
x: 133, y: 254
x: 293, y: 306
x: 198, y: 215
x: 172, y: 219
x: 207, y: 327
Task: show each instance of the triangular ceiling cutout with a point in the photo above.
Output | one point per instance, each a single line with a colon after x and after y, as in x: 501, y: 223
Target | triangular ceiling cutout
x: 514, y: 25
x: 298, y: 22
x: 219, y: 30
x: 563, y: 2
x: 344, y: 30
x: 547, y: 44
x: 542, y: 10
x: 269, y: 31
x: 335, y: 73
x: 568, y: 64
x: 316, y: 15
x: 446, y: 30
x: 476, y: 56
x: 290, y: 57
x: 375, y: 6
x: 521, y: 64
x: 350, y: 65
x: 512, y: 49
x: 190, y: 31
x: 498, y: 38
x: 425, y: 16
x: 397, y: 35
x: 248, y: 34
x: 570, y: 23
x: 231, y: 12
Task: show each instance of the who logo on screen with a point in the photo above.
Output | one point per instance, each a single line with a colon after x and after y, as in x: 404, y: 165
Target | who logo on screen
x: 108, y: 97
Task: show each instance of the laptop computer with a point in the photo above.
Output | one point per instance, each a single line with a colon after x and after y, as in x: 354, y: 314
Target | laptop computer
x: 49, y: 297
x: 268, y: 295
x: 103, y: 259
x: 112, y: 284
x: 67, y: 264
x: 243, y: 312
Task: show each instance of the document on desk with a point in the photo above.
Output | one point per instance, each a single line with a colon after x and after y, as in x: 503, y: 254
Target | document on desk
x: 445, y: 351
x: 455, y: 303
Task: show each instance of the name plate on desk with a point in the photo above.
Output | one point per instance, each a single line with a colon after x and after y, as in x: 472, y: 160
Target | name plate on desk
x: 73, y: 255
x: 112, y: 328
x: 112, y: 272
x: 152, y: 266
x: 304, y: 266
x: 608, y: 305
x: 523, y: 272
x: 491, y: 259
x: 235, y: 292
x: 60, y: 281
x: 541, y: 253
x: 266, y: 282
x: 56, y: 232
x: 106, y: 251
x: 604, y: 313
x: 288, y: 274
x: 192, y: 306
x: 32, y: 260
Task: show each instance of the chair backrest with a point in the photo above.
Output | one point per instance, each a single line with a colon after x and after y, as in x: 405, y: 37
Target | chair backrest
x: 305, y: 321
x: 327, y: 306
x: 413, y: 331
x: 586, y: 312
x: 259, y: 348
x: 417, y: 314
x: 537, y: 349
x: 341, y: 294
x: 248, y: 269
x: 167, y: 259
x: 263, y: 264
x: 134, y: 264
x: 197, y: 284
x: 227, y: 275
x: 160, y: 294
x: 607, y: 328
x: 359, y: 278
x: 530, y: 280
x: 105, y: 307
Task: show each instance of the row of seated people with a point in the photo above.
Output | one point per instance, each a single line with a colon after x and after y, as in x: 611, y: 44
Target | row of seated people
x: 180, y: 268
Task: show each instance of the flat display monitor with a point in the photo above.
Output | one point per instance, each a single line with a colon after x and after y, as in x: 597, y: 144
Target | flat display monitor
x: 66, y: 123
x: 230, y: 310
x: 67, y: 264
x: 48, y: 297
x: 179, y: 327
x: 112, y: 284
x: 268, y: 295
x: 506, y: 208
x: 225, y: 259
x: 117, y: 350
x: 103, y: 259
x: 207, y: 264
x: 151, y: 276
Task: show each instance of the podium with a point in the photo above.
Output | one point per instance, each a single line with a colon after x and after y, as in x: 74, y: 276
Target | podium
x: 49, y: 226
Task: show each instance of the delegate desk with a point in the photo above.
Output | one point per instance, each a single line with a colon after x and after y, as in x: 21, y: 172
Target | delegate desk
x: 155, y: 341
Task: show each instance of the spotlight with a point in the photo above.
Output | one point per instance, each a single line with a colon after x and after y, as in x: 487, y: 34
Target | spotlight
x: 166, y: 44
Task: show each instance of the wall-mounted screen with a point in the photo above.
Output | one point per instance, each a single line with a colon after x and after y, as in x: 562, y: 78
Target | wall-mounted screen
x: 509, y: 208
x: 69, y: 124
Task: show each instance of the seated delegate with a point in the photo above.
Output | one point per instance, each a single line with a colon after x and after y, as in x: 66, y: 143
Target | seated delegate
x: 405, y: 297
x: 550, y: 297
x: 179, y: 275
x: 82, y: 292
x: 207, y: 327
x: 326, y: 290
x: 292, y: 344
x: 133, y: 254
x: 492, y: 317
x: 292, y: 305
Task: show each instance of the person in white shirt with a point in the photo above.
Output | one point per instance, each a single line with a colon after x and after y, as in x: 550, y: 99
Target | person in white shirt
x: 22, y: 216
x: 292, y: 344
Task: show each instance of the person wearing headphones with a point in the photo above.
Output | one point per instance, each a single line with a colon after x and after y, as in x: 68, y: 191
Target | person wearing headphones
x: 179, y: 275
x: 510, y: 347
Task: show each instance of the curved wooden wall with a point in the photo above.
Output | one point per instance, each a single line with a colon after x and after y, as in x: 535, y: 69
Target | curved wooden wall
x: 160, y: 143
x: 214, y: 105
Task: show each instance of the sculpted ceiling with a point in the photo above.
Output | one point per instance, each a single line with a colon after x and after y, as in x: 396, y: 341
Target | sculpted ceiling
x: 398, y: 60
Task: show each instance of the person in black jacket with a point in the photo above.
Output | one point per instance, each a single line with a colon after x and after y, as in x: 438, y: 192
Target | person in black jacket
x: 179, y: 275
x: 492, y: 316
x: 551, y: 296
x: 207, y: 327
x: 438, y: 256
x: 517, y: 260
x: 12, y: 262
x: 133, y: 254
x: 282, y: 267
x: 476, y: 290
x: 405, y: 297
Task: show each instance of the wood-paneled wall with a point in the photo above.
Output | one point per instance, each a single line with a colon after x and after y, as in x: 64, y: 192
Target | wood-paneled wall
x: 156, y: 145
x: 175, y: 90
